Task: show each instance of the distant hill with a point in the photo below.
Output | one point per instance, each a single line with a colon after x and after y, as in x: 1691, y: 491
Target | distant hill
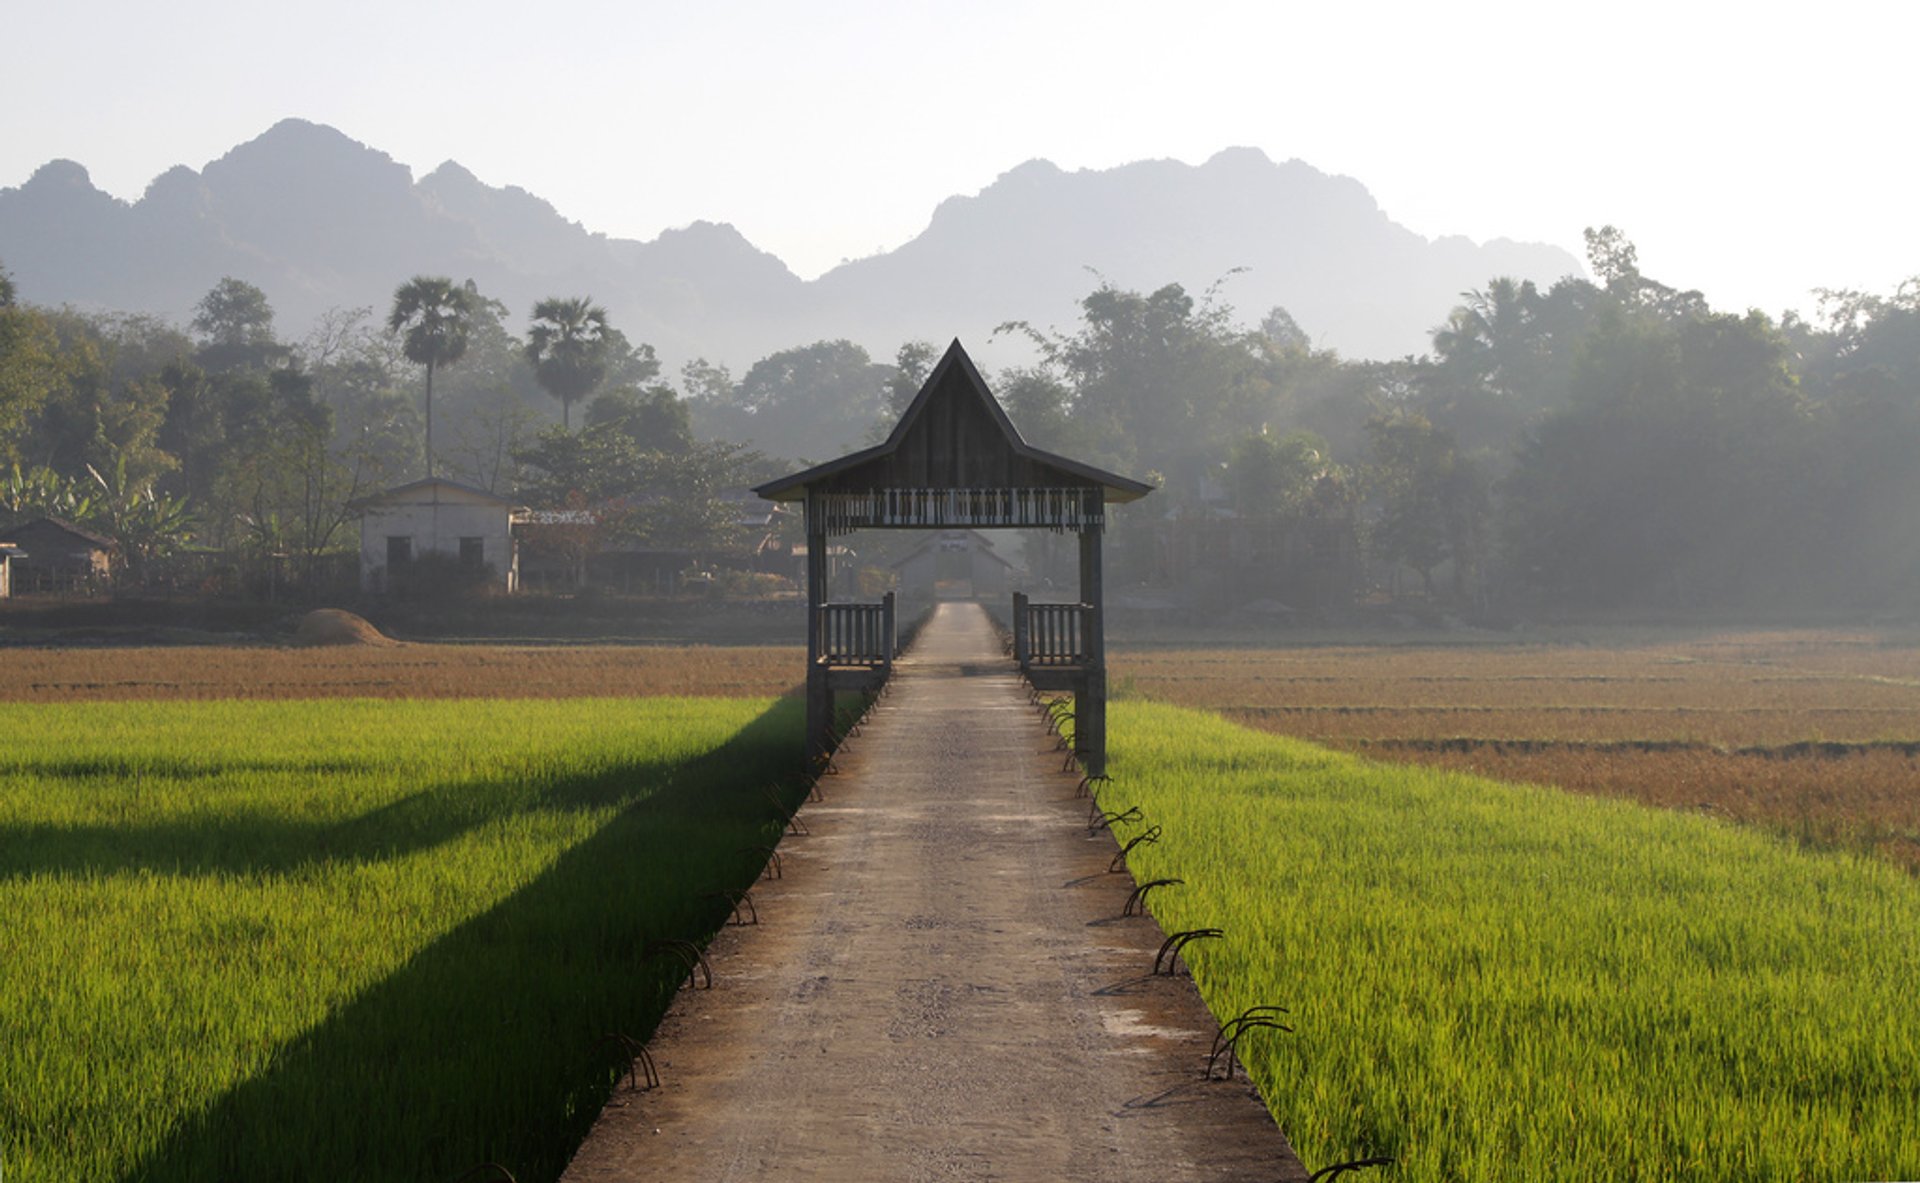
x: 319, y: 220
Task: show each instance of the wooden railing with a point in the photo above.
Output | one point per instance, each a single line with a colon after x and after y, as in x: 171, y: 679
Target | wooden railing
x: 857, y: 634
x: 1049, y: 635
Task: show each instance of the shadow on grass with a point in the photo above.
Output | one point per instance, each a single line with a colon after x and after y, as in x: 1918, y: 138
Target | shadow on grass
x: 265, y: 844
x: 483, y: 1046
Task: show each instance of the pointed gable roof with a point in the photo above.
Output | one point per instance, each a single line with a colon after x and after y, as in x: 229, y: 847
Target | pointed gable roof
x: 434, y: 489
x: 954, y: 435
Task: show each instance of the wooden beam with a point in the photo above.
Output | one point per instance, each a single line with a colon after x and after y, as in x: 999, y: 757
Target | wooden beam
x: 819, y: 688
x: 1090, y: 701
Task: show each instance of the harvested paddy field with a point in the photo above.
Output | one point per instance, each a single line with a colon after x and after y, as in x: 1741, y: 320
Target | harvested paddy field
x: 102, y: 674
x: 1811, y: 734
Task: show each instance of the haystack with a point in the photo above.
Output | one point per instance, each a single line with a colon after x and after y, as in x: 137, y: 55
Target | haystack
x: 333, y: 626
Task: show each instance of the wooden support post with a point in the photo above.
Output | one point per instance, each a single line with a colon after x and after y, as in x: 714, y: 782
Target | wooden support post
x: 1022, y: 642
x: 1090, y: 703
x: 819, y: 690
x: 889, y: 631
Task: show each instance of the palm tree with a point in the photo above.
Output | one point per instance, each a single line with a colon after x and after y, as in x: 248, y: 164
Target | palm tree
x: 567, y: 344
x: 434, y: 317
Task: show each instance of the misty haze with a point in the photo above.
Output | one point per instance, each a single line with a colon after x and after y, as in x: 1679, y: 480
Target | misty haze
x: 1165, y: 674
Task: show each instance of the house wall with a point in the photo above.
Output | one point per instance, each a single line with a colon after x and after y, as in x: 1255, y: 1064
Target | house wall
x: 56, y: 560
x: 920, y: 573
x: 437, y: 528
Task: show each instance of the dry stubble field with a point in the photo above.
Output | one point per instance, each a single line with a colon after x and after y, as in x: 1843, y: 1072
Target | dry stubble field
x: 86, y: 674
x: 1813, y: 734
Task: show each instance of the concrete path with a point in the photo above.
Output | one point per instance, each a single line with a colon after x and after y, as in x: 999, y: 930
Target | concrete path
x: 940, y: 987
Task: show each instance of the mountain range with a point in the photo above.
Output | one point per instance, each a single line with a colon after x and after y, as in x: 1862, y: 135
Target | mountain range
x: 319, y: 220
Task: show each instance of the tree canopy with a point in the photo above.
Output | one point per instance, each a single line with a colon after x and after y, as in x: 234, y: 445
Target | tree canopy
x: 568, y: 345
x: 433, y: 318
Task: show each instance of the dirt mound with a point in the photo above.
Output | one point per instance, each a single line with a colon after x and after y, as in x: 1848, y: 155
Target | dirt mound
x: 332, y: 626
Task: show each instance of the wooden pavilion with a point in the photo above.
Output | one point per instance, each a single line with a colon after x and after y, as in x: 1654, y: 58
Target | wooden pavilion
x: 955, y: 461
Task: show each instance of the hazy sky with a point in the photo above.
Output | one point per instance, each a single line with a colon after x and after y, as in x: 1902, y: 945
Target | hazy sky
x: 1752, y: 150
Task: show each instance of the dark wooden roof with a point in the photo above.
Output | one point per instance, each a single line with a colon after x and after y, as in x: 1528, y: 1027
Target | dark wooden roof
x: 954, y: 435
x: 981, y: 544
x: 399, y: 493
x: 49, y: 527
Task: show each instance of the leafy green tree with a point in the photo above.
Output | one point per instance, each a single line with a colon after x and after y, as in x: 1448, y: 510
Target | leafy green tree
x: 235, y: 325
x: 30, y: 370
x: 434, y: 319
x: 913, y: 363
x: 1616, y: 261
x: 655, y: 419
x: 1159, y: 381
x: 103, y: 407
x: 1434, y: 502
x: 352, y: 364
x: 567, y: 344
x: 1276, y: 476
x: 1678, y: 475
x: 668, y: 499
x: 811, y: 403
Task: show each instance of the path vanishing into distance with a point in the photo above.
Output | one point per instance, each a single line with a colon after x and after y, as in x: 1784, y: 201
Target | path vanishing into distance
x: 941, y: 986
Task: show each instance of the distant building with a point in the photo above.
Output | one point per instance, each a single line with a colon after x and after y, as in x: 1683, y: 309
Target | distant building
x: 462, y: 524
x: 9, y: 554
x: 58, y: 556
x: 954, y: 565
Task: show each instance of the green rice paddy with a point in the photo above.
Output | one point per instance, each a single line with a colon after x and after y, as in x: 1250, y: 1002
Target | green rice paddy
x: 351, y: 939
x: 385, y: 940
x: 1497, y: 982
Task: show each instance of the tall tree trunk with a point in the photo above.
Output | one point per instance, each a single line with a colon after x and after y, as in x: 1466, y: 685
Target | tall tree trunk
x: 429, y: 420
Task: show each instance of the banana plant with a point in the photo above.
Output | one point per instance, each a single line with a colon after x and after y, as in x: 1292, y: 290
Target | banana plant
x: 146, y: 525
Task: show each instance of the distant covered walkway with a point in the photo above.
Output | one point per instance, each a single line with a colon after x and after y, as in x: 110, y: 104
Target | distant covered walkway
x: 940, y: 987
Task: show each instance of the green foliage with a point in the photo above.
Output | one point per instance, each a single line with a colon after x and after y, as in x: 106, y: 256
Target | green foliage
x: 145, y: 526
x: 1433, y: 502
x: 1276, y: 476
x: 913, y: 364
x: 666, y: 497
x: 567, y: 344
x: 1499, y: 982
x: 1157, y: 381
x: 42, y: 492
x: 655, y: 419
x: 30, y: 370
x: 433, y: 318
x: 810, y: 403
x: 1674, y: 474
x: 235, y: 324
x: 351, y: 939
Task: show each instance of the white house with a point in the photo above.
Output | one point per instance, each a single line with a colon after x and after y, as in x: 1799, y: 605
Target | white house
x: 437, y: 516
x: 8, y: 553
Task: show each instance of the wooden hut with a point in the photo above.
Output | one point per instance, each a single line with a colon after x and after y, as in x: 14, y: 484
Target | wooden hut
x: 59, y: 557
x: 956, y: 462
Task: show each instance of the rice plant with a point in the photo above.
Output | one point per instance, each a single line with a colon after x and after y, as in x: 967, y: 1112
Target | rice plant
x: 352, y: 939
x: 1500, y: 982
